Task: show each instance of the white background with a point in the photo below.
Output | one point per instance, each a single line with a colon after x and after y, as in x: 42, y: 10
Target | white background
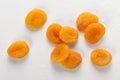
x: 37, y: 65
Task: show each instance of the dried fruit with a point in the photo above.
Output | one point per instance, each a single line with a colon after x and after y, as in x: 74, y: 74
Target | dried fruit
x: 68, y: 34
x: 73, y: 60
x: 100, y: 57
x: 85, y: 19
x: 18, y: 49
x: 94, y: 32
x: 35, y: 19
x: 53, y: 33
x: 60, y: 53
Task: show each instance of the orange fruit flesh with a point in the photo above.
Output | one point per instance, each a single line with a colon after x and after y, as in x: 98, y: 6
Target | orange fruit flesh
x: 53, y: 33
x: 94, y: 32
x: 100, y: 57
x: 85, y: 19
x: 68, y: 34
x: 60, y: 53
x: 73, y: 60
x: 35, y: 19
x: 18, y: 49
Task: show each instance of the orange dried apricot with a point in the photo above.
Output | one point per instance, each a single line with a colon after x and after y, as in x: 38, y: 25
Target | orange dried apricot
x: 85, y: 19
x: 100, y: 57
x: 53, y: 33
x: 18, y: 49
x: 35, y: 19
x: 68, y: 34
x: 94, y: 32
x: 73, y: 60
x: 60, y: 53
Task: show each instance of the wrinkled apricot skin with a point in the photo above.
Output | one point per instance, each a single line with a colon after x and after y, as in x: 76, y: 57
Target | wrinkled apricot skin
x: 73, y: 60
x: 100, y: 57
x: 60, y: 53
x: 85, y: 19
x: 68, y: 34
x: 35, y: 19
x: 18, y: 49
x: 94, y: 32
x: 53, y: 33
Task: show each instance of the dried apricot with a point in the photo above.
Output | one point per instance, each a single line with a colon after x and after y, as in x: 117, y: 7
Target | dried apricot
x: 94, y: 32
x: 100, y: 57
x: 85, y: 19
x: 68, y: 34
x: 35, y: 19
x: 74, y: 60
x: 53, y: 33
x: 18, y: 49
x: 60, y: 53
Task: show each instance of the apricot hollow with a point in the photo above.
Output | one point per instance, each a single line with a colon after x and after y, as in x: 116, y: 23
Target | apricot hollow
x: 74, y: 60
x: 68, y: 34
x: 35, y: 19
x: 100, y: 57
x: 85, y: 19
x: 18, y: 49
x: 94, y: 32
x: 53, y: 33
x: 60, y: 53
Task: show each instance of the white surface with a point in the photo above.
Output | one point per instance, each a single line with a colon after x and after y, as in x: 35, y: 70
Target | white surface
x: 37, y: 65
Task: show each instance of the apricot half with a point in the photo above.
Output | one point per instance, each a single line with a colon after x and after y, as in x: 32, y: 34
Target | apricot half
x: 60, y: 53
x: 73, y: 60
x: 94, y: 32
x: 68, y: 34
x: 53, y: 33
x: 18, y: 49
x: 85, y: 19
x: 35, y: 19
x: 100, y: 57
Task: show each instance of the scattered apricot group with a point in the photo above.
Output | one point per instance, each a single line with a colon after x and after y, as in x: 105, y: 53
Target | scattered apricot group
x: 93, y: 32
x: 86, y: 22
x: 62, y: 54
